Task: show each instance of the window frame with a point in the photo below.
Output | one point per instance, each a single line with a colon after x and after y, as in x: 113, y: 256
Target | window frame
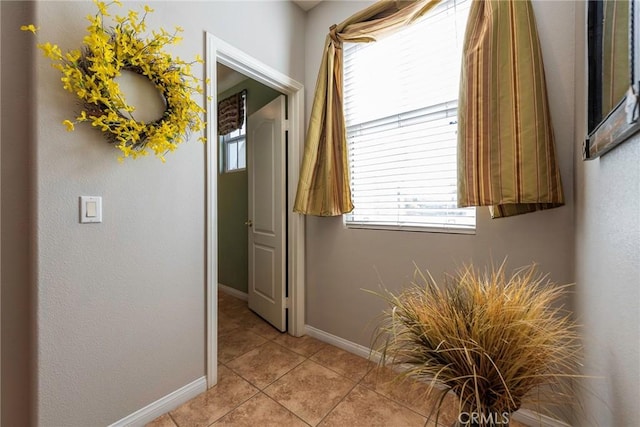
x: 224, y: 150
x: 431, y: 228
x: 226, y: 140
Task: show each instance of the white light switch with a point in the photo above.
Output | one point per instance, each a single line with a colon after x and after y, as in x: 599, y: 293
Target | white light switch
x: 90, y: 209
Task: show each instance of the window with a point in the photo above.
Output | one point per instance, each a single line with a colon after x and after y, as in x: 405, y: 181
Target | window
x: 400, y: 102
x: 233, y: 147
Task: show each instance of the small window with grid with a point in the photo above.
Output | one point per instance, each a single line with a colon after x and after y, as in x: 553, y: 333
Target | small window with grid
x: 233, y: 147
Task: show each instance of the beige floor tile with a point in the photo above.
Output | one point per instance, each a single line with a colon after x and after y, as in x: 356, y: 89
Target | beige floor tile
x: 405, y: 391
x: 414, y: 395
x: 163, y: 421
x: 364, y: 407
x: 260, y: 410
x: 305, y: 345
x: 250, y: 320
x: 226, y: 324
x: 310, y: 391
x: 224, y: 297
x: 234, y: 312
x: 216, y: 402
x: 236, y: 343
x: 343, y: 362
x: 265, y: 364
x: 265, y: 330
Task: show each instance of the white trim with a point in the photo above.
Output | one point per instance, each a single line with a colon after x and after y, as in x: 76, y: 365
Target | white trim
x: 525, y: 416
x: 163, y: 405
x: 219, y: 51
x: 233, y: 292
x: 211, y: 186
x: 346, y: 345
x: 532, y: 418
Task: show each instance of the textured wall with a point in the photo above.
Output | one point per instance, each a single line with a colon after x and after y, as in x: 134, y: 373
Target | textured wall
x: 121, y: 304
x: 340, y: 261
x: 17, y: 217
x: 233, y: 202
x: 607, y: 269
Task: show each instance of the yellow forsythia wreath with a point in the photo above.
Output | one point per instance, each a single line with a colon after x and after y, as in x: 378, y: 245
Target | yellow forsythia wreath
x: 89, y: 74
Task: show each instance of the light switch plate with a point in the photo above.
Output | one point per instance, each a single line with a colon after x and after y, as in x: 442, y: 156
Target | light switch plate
x: 90, y: 209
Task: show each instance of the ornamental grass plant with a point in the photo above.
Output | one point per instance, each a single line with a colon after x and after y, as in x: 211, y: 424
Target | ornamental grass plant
x: 497, y: 341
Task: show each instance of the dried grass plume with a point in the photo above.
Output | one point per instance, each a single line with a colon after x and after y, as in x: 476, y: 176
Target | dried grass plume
x: 496, y: 341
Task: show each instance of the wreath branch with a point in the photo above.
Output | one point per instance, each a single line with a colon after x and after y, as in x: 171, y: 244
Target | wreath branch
x: 89, y: 74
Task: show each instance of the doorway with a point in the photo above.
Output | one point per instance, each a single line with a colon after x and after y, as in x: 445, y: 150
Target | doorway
x: 252, y: 195
x: 221, y: 52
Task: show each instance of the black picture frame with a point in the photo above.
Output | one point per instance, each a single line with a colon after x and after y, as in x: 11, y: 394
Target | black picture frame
x: 608, y: 129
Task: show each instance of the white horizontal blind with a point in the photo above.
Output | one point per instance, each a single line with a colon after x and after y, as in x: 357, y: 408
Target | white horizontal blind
x: 400, y: 108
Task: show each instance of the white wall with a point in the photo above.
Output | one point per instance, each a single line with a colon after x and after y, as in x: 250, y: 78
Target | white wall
x: 121, y: 304
x: 340, y: 262
x: 607, y: 268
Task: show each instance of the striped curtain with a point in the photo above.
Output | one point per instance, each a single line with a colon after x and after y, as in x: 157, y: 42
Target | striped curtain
x: 323, y: 188
x: 231, y: 113
x: 506, y: 154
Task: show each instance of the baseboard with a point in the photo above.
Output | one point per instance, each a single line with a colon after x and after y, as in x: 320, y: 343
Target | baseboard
x: 525, y: 416
x: 233, y: 292
x: 163, y: 405
x: 532, y: 418
x: 346, y: 345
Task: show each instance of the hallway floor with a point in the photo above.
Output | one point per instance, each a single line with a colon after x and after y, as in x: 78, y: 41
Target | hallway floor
x: 266, y: 378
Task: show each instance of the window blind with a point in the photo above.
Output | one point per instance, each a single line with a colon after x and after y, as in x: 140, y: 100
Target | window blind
x: 400, y: 110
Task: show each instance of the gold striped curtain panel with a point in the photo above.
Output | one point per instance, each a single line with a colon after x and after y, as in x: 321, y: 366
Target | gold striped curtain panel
x: 323, y: 189
x: 506, y: 153
x: 506, y: 157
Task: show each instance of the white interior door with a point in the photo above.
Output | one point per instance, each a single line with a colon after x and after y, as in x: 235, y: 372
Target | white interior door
x: 266, y: 150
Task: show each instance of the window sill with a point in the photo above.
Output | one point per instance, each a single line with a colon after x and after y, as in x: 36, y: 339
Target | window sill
x: 446, y: 230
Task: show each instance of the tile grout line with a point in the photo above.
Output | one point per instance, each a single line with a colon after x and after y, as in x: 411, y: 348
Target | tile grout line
x: 394, y: 400
x: 337, y: 404
x: 285, y: 408
x: 175, y: 423
x: 309, y: 358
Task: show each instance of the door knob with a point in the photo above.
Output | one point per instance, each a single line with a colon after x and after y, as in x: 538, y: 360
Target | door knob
x: 249, y: 223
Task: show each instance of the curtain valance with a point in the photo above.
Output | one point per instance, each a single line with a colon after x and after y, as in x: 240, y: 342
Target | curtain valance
x: 231, y: 113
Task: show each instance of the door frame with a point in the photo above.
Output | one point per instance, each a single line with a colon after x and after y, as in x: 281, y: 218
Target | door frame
x: 220, y: 51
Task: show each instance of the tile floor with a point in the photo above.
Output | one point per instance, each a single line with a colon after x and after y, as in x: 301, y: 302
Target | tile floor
x: 266, y: 378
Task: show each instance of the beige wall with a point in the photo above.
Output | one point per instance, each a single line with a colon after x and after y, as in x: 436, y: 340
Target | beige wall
x: 607, y: 269
x: 120, y: 305
x: 17, y: 218
x: 341, y: 262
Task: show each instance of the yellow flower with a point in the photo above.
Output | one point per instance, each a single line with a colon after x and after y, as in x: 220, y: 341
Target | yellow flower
x: 102, y: 7
x: 30, y: 27
x: 89, y: 73
x: 69, y: 125
x: 73, y: 55
x: 51, y: 50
